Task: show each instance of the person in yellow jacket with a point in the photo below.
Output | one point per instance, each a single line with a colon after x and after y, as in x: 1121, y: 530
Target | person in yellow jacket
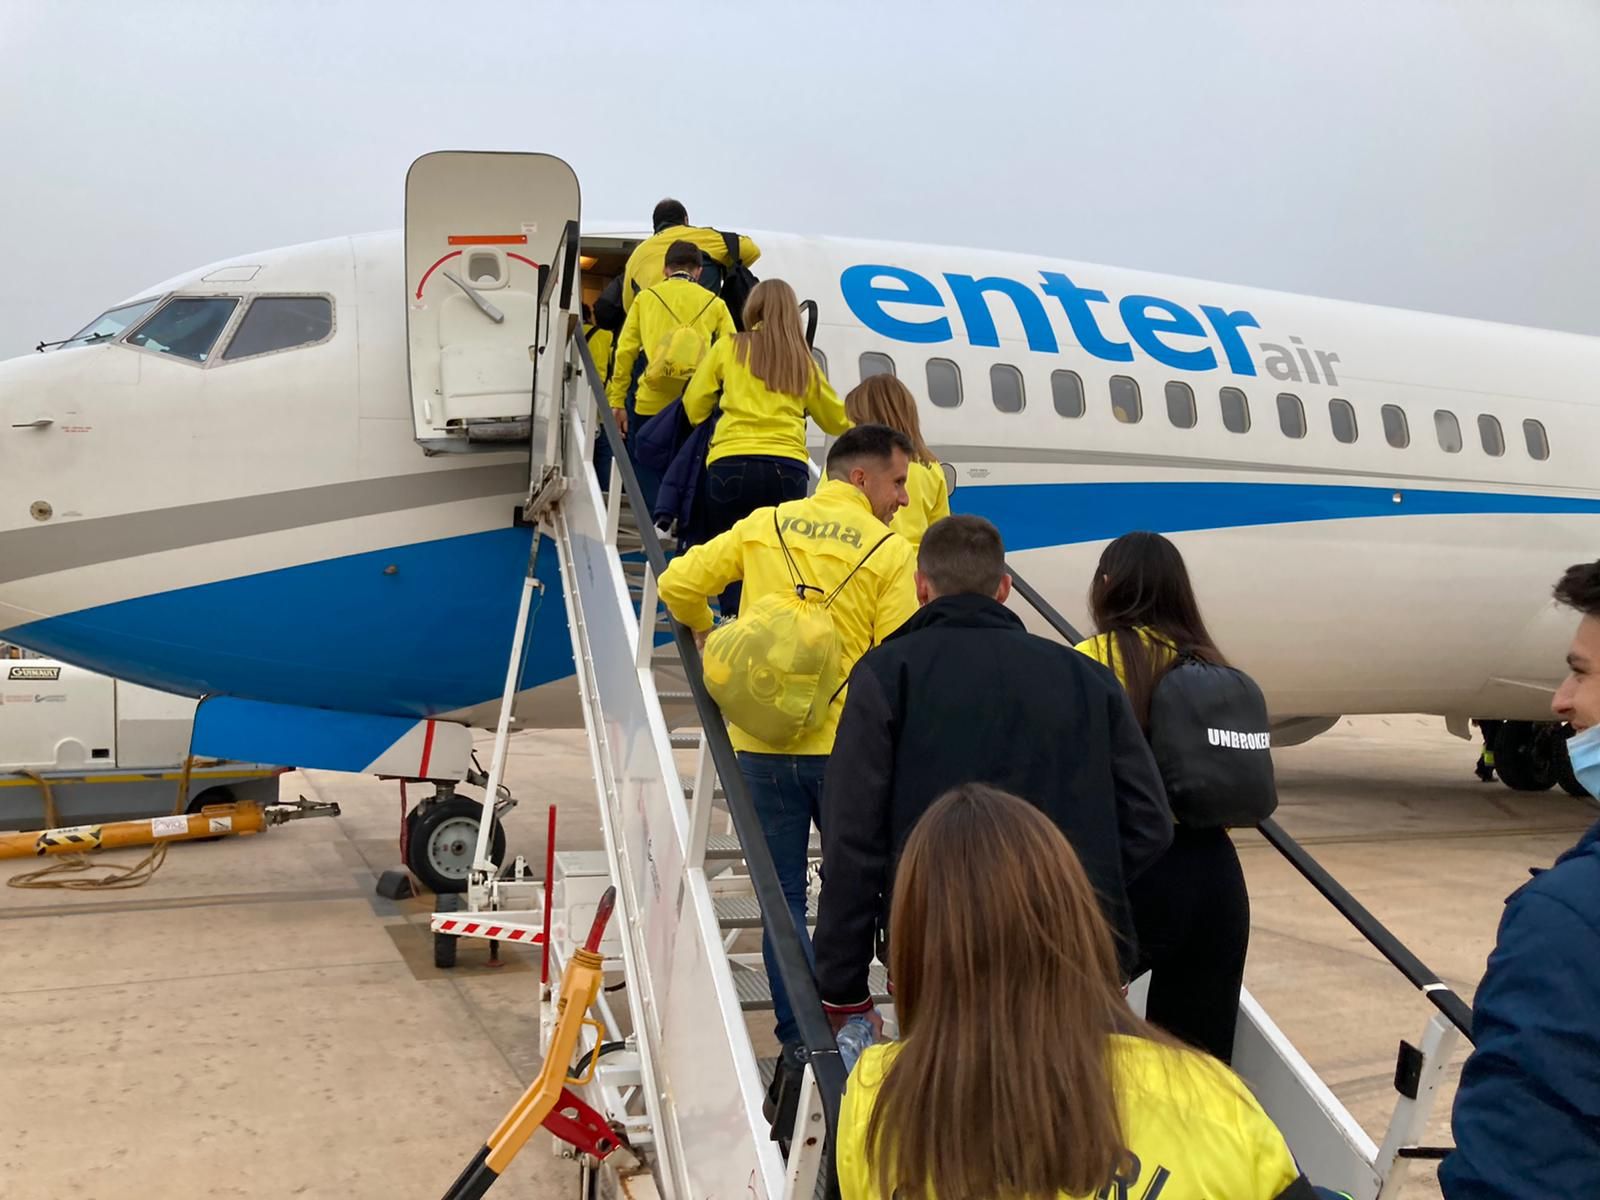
x: 828, y: 535
x: 765, y: 382
x: 670, y: 221
x: 884, y: 400
x: 1021, y: 1071
x: 637, y: 393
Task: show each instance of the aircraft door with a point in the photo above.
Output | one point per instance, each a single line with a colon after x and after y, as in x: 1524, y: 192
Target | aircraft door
x: 485, y: 237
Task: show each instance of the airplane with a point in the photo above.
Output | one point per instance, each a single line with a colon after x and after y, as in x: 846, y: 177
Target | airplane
x: 232, y: 484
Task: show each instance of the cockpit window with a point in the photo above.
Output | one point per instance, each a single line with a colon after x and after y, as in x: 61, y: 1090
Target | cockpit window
x: 280, y: 323
x: 186, y: 326
x: 107, y: 325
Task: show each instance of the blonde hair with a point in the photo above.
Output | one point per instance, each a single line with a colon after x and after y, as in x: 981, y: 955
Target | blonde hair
x: 1007, y: 989
x: 773, y: 346
x: 884, y: 400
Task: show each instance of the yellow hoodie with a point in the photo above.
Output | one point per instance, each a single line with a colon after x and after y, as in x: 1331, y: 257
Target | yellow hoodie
x: 828, y: 534
x: 1193, y: 1130
x: 929, y: 502
x: 674, y: 301
x: 756, y: 419
x: 649, y: 257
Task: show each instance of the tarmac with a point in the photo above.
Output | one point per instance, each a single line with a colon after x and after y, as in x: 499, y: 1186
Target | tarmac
x: 257, y: 1022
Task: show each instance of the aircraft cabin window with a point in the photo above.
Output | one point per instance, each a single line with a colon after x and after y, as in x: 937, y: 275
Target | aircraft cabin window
x: 1291, y: 415
x: 1396, y: 429
x: 873, y: 363
x: 1066, y: 390
x: 1448, y: 429
x: 944, y: 383
x: 1005, y: 386
x: 1235, y: 410
x: 186, y: 326
x: 1342, y: 417
x: 1538, y: 444
x: 1494, y: 441
x: 107, y: 325
x: 281, y: 323
x: 821, y: 360
x: 1126, y: 405
x: 1180, y: 405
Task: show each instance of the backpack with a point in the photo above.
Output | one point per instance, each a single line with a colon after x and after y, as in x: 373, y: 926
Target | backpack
x: 737, y: 281
x: 776, y: 669
x: 680, y: 349
x: 1212, y: 742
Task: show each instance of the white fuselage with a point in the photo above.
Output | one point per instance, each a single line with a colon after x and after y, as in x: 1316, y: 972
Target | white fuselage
x: 270, y: 528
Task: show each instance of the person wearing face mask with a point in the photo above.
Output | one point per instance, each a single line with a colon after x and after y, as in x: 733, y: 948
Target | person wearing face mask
x: 1527, y: 1113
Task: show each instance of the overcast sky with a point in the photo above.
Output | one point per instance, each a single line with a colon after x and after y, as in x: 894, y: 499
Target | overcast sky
x: 1431, y: 155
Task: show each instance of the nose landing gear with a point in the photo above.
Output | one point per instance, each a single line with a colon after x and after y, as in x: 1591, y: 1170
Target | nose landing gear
x: 442, y: 834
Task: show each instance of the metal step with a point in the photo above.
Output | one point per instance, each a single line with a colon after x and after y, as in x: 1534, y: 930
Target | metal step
x: 685, y: 741
x: 755, y: 994
x: 744, y: 912
x: 723, y: 847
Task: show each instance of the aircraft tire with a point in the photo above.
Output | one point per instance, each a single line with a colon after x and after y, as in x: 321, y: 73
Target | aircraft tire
x: 442, y: 842
x: 1525, y: 756
x: 1569, y: 781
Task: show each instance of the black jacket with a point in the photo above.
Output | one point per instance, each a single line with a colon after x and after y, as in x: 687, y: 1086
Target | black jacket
x: 962, y: 693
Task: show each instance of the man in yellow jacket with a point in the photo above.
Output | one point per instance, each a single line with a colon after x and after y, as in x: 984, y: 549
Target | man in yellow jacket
x: 637, y: 394
x: 671, y: 224
x: 828, y: 534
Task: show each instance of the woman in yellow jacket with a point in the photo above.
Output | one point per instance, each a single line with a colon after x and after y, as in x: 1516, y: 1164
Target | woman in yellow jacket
x: 767, y: 382
x: 884, y: 400
x: 1021, y: 1072
x: 1191, y: 909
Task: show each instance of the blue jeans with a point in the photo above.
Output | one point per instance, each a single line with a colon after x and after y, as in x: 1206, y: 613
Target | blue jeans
x: 786, y: 790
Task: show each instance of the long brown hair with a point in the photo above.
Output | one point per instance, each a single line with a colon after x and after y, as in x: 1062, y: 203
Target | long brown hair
x: 1142, y: 583
x: 884, y: 400
x: 773, y: 345
x: 1007, y: 991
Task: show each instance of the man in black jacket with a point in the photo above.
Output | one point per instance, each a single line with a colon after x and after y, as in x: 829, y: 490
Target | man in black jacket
x: 962, y: 693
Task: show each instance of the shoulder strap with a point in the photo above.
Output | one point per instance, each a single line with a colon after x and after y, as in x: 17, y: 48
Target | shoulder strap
x: 731, y: 241
x: 857, y: 567
x: 674, y: 312
x: 796, y: 580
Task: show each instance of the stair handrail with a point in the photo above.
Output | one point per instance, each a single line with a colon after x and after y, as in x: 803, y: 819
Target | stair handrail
x: 794, y: 967
x: 1435, y: 990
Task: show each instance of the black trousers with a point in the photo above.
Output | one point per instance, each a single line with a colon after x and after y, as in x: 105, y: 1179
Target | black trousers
x: 736, y: 487
x: 1191, y: 912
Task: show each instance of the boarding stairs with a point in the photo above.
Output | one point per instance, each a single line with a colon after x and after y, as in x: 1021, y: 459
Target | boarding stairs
x: 676, y: 1062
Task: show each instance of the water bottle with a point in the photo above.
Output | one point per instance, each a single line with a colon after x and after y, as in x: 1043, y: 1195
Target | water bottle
x: 855, y: 1037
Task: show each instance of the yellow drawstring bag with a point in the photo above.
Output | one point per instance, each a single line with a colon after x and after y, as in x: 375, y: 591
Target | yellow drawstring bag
x: 679, y: 351
x: 775, y: 670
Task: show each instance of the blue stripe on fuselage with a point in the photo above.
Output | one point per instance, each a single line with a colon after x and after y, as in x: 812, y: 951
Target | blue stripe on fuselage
x: 432, y: 637
x: 429, y: 637
x: 1031, y: 516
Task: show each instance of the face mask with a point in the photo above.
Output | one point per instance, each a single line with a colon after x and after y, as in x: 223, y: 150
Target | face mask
x: 1583, y: 752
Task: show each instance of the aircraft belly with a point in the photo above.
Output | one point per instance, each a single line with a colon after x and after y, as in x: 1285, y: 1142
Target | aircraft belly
x: 412, y: 630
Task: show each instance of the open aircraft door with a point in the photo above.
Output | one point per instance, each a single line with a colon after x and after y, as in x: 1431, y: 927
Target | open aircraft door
x: 491, y: 266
